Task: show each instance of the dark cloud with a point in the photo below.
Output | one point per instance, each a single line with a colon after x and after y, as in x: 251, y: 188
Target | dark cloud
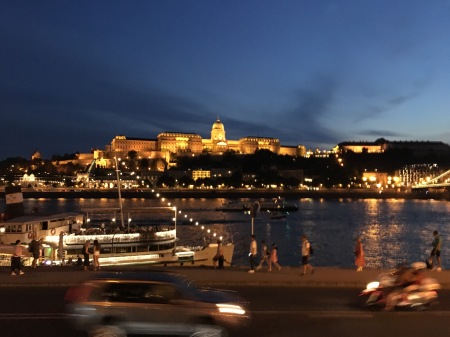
x: 380, y: 134
x: 306, y: 121
x: 402, y: 99
x: 375, y: 111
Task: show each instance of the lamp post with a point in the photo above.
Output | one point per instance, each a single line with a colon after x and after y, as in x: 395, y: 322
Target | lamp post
x: 254, y: 210
x: 120, y: 195
x: 2, y: 231
x: 174, y: 208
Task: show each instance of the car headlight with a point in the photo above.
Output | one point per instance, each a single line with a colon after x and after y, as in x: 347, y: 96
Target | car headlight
x: 373, y: 285
x: 230, y: 309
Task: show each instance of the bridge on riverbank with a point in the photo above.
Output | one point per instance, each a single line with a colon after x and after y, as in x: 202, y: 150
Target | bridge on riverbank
x: 441, y: 182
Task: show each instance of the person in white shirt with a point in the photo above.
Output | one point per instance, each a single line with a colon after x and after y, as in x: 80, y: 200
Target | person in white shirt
x: 306, y: 251
x: 16, y: 259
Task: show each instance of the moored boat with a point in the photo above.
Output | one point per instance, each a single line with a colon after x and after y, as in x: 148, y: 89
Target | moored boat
x: 277, y: 204
x: 147, y: 238
x: 278, y: 215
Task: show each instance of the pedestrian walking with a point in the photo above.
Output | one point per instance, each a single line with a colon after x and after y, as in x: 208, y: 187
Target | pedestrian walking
x: 85, y: 252
x: 35, y: 249
x: 436, y: 250
x: 16, y: 259
x: 306, y: 252
x: 219, y: 255
x: 359, y: 255
x: 96, y: 255
x: 252, y: 254
x: 264, y: 255
x: 274, y: 257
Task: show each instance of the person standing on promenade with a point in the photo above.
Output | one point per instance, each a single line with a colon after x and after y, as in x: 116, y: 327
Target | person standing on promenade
x: 306, y: 251
x: 264, y: 255
x: 96, y: 255
x: 219, y: 255
x: 252, y: 254
x: 35, y: 249
x: 86, y: 254
x: 359, y: 255
x: 16, y: 259
x: 274, y: 257
x: 436, y: 251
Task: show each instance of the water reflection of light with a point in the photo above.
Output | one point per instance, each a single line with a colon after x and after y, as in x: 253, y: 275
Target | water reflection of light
x: 385, y: 235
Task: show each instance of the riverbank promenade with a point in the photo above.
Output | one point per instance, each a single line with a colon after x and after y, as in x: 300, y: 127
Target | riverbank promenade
x: 207, y: 276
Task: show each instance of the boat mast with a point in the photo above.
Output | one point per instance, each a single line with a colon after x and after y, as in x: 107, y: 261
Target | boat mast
x: 120, y: 195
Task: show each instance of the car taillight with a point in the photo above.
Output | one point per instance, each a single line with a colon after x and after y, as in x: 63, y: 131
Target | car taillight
x: 78, y: 293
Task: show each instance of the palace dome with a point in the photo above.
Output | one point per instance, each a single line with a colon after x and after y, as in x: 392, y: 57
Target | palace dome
x: 218, y: 126
x: 218, y: 131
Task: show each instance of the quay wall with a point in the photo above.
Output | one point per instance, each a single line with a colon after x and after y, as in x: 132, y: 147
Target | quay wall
x: 235, y: 193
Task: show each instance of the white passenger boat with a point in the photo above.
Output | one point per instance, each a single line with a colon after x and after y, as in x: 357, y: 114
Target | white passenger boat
x: 146, y: 238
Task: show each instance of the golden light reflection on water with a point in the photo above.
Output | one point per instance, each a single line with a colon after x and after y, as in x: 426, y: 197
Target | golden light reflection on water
x: 383, y: 234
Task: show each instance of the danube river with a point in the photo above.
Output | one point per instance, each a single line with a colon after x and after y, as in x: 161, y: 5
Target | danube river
x: 392, y: 230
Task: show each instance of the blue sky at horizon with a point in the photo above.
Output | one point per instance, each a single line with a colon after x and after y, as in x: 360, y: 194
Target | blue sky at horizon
x: 74, y: 74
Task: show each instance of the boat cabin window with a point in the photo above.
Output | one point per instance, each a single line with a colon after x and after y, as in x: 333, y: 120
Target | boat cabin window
x: 13, y: 229
x: 25, y: 228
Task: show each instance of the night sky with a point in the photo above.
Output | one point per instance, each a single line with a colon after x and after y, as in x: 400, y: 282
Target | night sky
x: 74, y: 74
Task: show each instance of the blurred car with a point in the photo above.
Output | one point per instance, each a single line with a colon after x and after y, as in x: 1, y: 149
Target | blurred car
x: 153, y: 303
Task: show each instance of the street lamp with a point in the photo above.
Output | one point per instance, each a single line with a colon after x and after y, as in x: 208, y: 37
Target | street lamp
x: 2, y: 231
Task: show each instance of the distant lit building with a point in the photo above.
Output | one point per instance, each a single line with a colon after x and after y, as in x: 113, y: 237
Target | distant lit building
x: 200, y: 174
x: 381, y: 145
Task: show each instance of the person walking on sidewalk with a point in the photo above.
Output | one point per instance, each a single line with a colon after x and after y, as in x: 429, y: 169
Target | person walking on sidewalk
x: 219, y: 255
x: 16, y: 259
x: 252, y: 254
x: 436, y: 251
x: 306, y: 251
x: 86, y: 254
x: 35, y: 249
x: 96, y: 255
x: 274, y: 257
x: 264, y: 255
x: 359, y: 255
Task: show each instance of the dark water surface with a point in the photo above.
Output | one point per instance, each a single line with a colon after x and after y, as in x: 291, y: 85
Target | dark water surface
x: 392, y: 230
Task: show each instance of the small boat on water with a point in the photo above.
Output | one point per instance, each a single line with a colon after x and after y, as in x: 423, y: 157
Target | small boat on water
x: 276, y: 204
x: 278, y: 215
x: 147, y: 238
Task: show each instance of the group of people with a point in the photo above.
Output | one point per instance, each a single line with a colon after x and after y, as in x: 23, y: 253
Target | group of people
x: 434, y: 254
x: 270, y: 257
x: 86, y: 251
x: 35, y: 248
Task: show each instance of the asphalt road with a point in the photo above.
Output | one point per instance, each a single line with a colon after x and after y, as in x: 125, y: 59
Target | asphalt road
x: 277, y: 312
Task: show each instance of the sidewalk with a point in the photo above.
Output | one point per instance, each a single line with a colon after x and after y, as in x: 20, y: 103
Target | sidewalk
x: 206, y: 276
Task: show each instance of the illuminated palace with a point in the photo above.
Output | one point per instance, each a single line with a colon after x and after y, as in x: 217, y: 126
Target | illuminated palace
x: 178, y: 143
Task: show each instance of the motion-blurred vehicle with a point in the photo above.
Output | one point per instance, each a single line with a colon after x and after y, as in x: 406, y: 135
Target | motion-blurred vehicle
x: 153, y: 303
x: 416, y: 296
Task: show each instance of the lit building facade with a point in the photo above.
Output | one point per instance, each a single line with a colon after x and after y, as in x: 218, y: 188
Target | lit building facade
x: 178, y: 143
x: 382, y: 145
